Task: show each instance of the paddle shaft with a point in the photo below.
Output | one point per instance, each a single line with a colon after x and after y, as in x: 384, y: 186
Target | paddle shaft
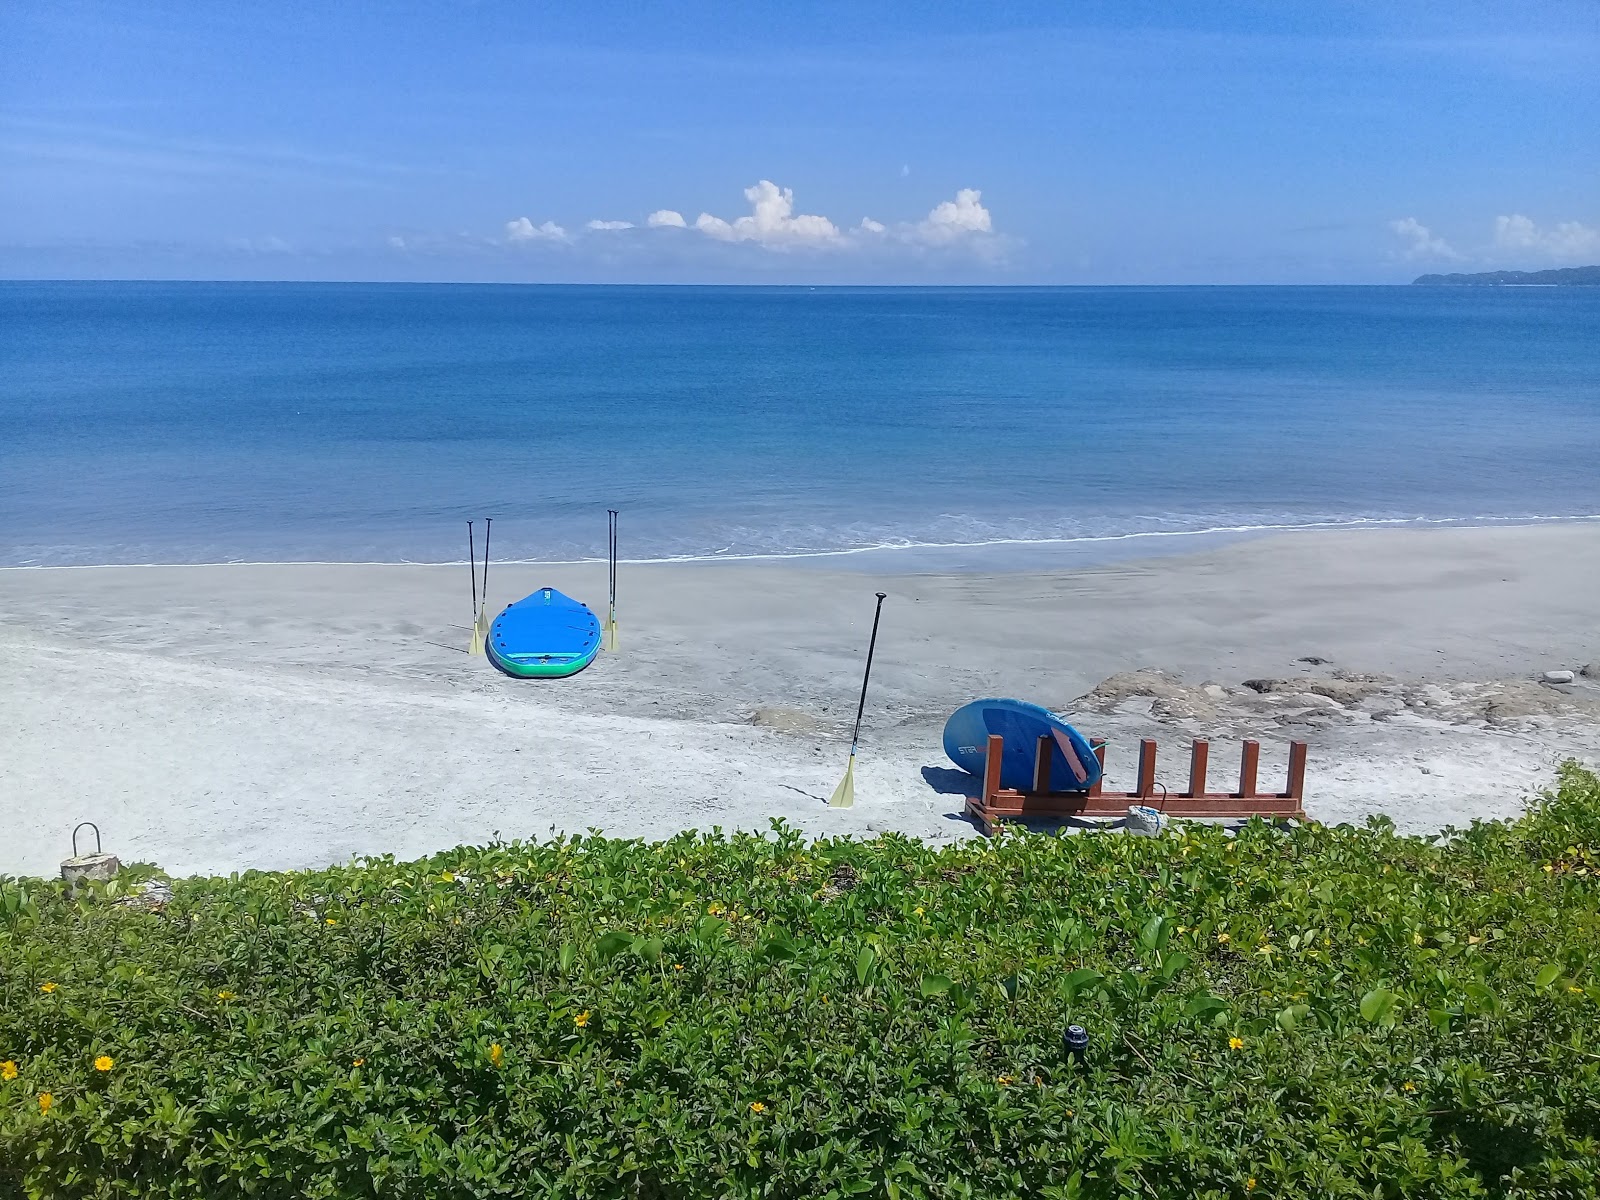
x: 866, y: 675
x: 472, y: 569
x: 487, y: 522
x: 612, y: 556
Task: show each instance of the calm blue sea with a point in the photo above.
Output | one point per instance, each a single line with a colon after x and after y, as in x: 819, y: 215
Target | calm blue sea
x: 157, y: 422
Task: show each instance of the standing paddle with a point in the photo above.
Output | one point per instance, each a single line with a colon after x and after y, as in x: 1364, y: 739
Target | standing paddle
x: 475, y: 646
x: 611, y: 564
x: 844, y: 796
x: 480, y: 627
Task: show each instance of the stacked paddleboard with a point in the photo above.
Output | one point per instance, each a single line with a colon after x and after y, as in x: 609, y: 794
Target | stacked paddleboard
x: 1073, y: 766
x: 543, y: 636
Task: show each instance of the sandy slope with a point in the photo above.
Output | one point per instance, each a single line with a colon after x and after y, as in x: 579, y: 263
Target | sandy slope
x: 218, y: 718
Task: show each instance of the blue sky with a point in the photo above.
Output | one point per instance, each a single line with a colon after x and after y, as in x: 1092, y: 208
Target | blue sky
x: 1224, y: 141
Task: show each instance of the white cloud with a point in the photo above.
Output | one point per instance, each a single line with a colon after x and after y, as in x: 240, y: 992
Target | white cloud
x: 397, y: 243
x: 1568, y: 241
x: 524, y: 230
x: 955, y: 219
x: 868, y: 225
x: 601, y: 226
x: 1423, y: 243
x: 772, y: 221
x: 905, y: 170
x: 665, y: 218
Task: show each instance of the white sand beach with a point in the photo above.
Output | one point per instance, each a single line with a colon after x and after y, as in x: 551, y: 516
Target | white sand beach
x: 222, y: 718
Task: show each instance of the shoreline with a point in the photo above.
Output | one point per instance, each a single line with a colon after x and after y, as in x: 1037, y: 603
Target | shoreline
x: 1208, y: 538
x: 222, y: 717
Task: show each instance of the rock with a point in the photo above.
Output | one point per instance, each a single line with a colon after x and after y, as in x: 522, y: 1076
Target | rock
x: 1215, y: 690
x: 1312, y: 700
x: 1171, y: 696
x: 99, y: 868
x: 1592, y: 671
x: 1264, y: 685
x: 151, y: 894
x: 1342, y: 688
x: 1559, y: 676
x: 1314, y: 660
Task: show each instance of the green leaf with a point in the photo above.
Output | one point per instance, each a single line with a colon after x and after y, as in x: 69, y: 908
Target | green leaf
x: 1378, y: 1006
x: 569, y: 955
x: 1203, y: 1004
x: 1171, y: 964
x: 614, y: 943
x: 1081, y: 980
x: 1289, y: 1019
x: 648, y: 949
x: 934, y: 985
x: 1483, y: 1000
x: 1547, y: 975
x: 866, y: 961
x: 778, y: 946
x: 1155, y: 934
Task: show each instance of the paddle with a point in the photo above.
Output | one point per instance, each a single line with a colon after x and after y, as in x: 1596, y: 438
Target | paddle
x: 480, y: 627
x: 475, y: 646
x: 844, y: 796
x: 611, y: 564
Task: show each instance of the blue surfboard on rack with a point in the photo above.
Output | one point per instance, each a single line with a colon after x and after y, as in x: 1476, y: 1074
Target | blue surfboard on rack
x: 543, y: 636
x: 1073, y: 766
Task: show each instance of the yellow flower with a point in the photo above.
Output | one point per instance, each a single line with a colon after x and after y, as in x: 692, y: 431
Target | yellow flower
x: 1183, y: 929
x: 47, y: 988
x: 103, y: 1063
x: 1416, y: 939
x: 358, y: 1062
x: 447, y: 877
x: 1574, y: 989
x: 581, y: 1019
x: 8, y: 1069
x: 758, y: 1107
x: 1250, y: 1184
x: 1223, y: 939
x: 224, y: 995
x: 1408, y: 1086
x: 496, y: 1054
x: 919, y: 911
x: 677, y: 966
x: 1267, y: 950
x: 45, y: 1101
x: 1004, y: 1080
x: 1236, y: 1043
x: 331, y: 921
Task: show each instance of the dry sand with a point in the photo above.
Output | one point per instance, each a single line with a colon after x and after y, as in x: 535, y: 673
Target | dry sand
x: 221, y: 718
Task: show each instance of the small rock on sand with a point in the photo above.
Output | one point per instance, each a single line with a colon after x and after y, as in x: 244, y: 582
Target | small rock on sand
x: 1559, y: 676
x: 1592, y: 671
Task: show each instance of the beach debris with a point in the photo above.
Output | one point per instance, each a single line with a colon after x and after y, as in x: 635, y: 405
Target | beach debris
x: 1314, y: 660
x: 1592, y: 671
x: 844, y: 879
x: 1558, y: 677
x: 98, y: 867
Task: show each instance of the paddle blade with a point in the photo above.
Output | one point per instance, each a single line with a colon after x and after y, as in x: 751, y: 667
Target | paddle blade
x: 844, y: 796
x: 609, y: 636
x: 480, y: 633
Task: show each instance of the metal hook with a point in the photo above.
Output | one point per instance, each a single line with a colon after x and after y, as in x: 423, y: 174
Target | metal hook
x: 1164, y: 794
x: 90, y: 825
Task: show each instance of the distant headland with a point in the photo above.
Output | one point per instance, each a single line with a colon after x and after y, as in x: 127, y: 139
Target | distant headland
x: 1560, y: 275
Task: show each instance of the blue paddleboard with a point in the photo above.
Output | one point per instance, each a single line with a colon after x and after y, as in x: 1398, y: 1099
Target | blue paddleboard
x: 1073, y: 766
x: 545, y: 635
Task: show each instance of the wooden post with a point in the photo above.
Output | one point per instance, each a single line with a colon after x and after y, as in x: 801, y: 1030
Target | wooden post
x: 1098, y: 745
x: 1249, y: 756
x: 1147, y: 768
x: 1297, y: 772
x: 991, y: 767
x: 1042, y: 754
x: 1199, y: 754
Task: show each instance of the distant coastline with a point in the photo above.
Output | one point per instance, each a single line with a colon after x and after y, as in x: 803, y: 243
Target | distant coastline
x: 1557, y: 277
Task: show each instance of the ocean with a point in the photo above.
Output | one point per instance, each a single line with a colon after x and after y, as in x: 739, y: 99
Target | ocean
x: 222, y: 422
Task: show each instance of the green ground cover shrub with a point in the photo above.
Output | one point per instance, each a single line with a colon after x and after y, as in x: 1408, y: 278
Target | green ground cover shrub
x: 1315, y: 1012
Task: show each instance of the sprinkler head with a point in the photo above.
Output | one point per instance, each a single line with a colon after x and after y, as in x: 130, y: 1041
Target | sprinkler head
x: 1076, y: 1042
